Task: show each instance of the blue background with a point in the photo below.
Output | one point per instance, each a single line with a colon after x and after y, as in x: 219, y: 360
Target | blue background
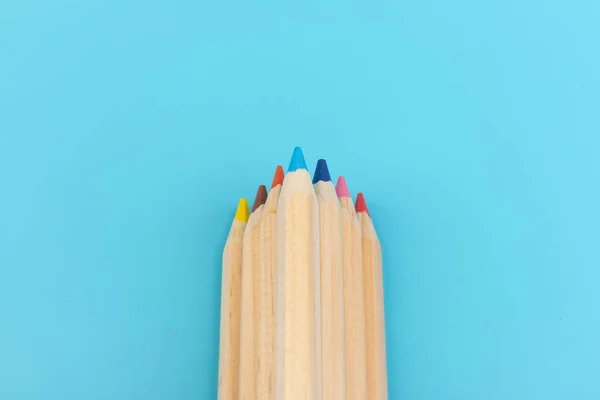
x: 128, y: 131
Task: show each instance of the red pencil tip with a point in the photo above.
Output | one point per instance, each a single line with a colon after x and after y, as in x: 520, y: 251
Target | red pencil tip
x: 278, y: 178
x: 361, y: 205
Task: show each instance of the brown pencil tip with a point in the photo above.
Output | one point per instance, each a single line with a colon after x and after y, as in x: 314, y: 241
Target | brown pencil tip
x: 278, y: 178
x: 261, y: 197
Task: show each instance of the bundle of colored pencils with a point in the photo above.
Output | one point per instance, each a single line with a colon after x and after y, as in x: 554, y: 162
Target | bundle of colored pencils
x: 302, y: 294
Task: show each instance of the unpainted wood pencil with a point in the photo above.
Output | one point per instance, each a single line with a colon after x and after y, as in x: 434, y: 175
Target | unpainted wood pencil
x: 298, y: 342
x: 332, y: 307
x: 354, y: 305
x: 374, y: 309
x: 229, y: 340
x: 250, y: 298
x: 265, y: 381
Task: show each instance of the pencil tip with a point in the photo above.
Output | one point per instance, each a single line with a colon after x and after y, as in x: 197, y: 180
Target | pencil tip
x: 341, y: 188
x: 242, y: 212
x: 297, y: 161
x: 361, y: 205
x: 278, y: 178
x: 261, y: 197
x: 321, y: 172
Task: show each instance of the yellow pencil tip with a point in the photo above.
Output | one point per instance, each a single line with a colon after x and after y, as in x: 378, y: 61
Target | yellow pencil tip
x: 243, y: 212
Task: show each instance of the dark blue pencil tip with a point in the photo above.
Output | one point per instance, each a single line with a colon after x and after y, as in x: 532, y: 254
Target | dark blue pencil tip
x: 297, y: 161
x: 321, y: 172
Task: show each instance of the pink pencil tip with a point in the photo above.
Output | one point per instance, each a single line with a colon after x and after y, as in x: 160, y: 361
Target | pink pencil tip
x: 361, y: 205
x: 341, y: 188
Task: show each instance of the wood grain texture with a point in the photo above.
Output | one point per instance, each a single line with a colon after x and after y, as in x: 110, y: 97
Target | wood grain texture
x: 249, y: 308
x: 332, y: 307
x: 229, y: 341
x: 354, y: 305
x: 265, y: 381
x: 298, y: 344
x: 374, y: 311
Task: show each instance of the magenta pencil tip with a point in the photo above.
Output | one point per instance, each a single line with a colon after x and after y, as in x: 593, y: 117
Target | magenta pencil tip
x: 341, y: 188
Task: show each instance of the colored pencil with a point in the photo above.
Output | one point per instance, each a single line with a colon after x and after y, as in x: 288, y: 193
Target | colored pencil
x: 250, y: 296
x: 374, y: 318
x: 298, y: 342
x: 332, y: 307
x: 354, y: 304
x: 229, y: 341
x: 265, y: 380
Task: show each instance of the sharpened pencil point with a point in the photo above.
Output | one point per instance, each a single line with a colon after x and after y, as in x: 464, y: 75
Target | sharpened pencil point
x: 341, y: 188
x: 278, y: 178
x: 242, y: 212
x: 361, y: 205
x: 297, y: 161
x: 261, y: 197
x: 321, y: 172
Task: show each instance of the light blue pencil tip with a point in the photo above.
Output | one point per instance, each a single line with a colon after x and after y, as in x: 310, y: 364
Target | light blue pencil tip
x: 297, y: 161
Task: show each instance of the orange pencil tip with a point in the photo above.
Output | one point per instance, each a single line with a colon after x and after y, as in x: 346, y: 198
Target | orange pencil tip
x: 278, y: 178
